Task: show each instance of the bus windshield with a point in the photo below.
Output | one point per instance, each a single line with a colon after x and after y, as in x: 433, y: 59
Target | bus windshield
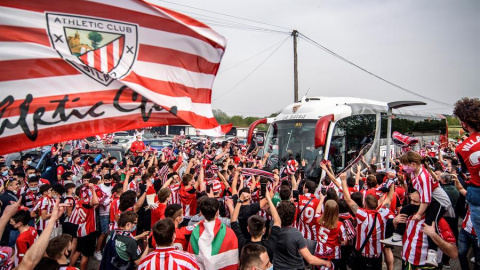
x: 293, y: 139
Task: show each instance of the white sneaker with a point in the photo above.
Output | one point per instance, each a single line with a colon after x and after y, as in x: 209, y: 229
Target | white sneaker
x: 395, y: 240
x: 472, y: 260
x: 97, y: 255
x: 432, y: 258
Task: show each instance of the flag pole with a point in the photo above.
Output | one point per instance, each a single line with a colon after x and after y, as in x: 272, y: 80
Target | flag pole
x: 295, y: 68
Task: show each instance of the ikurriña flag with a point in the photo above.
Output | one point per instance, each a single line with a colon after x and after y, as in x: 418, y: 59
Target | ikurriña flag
x: 75, y: 69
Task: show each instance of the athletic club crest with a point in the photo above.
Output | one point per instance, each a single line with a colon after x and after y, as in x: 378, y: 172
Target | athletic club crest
x: 102, y: 49
x: 295, y: 108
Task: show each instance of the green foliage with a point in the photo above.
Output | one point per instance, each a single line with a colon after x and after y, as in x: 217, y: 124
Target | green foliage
x: 238, y: 120
x: 453, y: 121
x: 96, y: 38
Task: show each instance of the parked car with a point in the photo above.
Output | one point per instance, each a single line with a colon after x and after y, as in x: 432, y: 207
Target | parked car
x: 158, y: 144
x: 41, y: 160
x: 114, y: 151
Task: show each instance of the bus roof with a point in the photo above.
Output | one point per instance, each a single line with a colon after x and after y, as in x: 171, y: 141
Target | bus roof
x: 315, y: 107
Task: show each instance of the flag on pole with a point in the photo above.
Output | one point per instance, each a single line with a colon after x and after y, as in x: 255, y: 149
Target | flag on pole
x: 75, y: 69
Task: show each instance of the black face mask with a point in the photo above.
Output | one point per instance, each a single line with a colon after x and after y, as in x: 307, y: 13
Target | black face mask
x: 69, y: 252
x: 107, y: 184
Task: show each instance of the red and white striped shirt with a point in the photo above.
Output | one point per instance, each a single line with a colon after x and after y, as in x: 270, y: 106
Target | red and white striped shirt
x: 168, y: 258
x: 424, y: 184
x: 308, y: 224
x: 175, y: 196
x: 365, y: 217
x: 329, y: 241
x: 415, y: 242
x: 467, y: 224
x: 44, y: 203
x: 88, y: 224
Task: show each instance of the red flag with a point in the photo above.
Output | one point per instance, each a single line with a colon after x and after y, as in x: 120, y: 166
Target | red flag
x: 75, y: 70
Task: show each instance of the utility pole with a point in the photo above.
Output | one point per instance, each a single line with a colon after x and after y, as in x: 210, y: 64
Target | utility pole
x: 295, y: 68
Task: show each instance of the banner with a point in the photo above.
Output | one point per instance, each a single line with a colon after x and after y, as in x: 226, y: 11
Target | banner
x: 75, y: 69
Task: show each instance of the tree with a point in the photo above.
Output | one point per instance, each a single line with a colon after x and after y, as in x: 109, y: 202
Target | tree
x: 96, y: 38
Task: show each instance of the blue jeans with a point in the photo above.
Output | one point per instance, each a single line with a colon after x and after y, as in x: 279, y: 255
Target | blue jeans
x: 465, y: 240
x: 473, y: 193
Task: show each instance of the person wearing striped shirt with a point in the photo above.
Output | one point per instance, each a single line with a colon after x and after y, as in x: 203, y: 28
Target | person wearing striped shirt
x: 166, y: 256
x: 371, y: 255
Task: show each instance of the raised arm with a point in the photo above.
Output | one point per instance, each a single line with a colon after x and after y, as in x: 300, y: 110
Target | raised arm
x: 235, y: 180
x: 273, y: 211
x: 127, y: 177
x: 346, y: 194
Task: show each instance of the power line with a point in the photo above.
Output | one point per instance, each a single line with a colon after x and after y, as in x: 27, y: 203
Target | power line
x: 223, y: 94
x: 229, y: 68
x: 369, y: 72
x: 223, y: 14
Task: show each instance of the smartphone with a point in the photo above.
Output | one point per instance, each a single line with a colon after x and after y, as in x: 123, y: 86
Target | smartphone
x: 324, y: 191
x: 209, y: 187
x: 263, y: 189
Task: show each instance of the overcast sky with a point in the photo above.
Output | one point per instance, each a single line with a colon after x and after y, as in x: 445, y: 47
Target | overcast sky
x: 431, y: 47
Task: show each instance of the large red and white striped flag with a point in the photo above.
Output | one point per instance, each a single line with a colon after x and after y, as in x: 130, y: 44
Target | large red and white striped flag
x: 75, y: 69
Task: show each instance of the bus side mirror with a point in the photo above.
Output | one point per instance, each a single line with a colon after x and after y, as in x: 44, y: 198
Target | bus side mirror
x: 321, y: 130
x: 252, y: 128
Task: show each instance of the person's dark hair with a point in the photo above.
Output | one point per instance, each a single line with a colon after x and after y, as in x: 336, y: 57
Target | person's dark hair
x: 285, y: 193
x: 47, y: 264
x: 309, y: 186
x: 58, y: 188
x: 244, y: 190
x: 224, y: 143
x: 69, y: 186
x: 22, y: 216
x: 127, y: 200
x: 163, y: 194
x: 44, y: 188
x: 78, y: 190
x: 33, y: 179
x: 172, y: 211
x: 380, y: 176
x: 25, y: 158
x: 186, y: 179
x: 331, y: 195
x: 117, y: 188
x: 371, y: 202
x: 107, y: 177
x: 343, y: 206
x: 65, y: 175
x: 57, y: 245
x: 126, y: 217
x: 357, y: 197
x: 111, y: 158
x: 250, y: 256
x: 163, y: 231
x: 286, y: 211
x: 30, y: 168
x: 209, y: 207
x: 255, y: 225
x: 371, y: 181
x: 468, y: 111
x: 351, y: 181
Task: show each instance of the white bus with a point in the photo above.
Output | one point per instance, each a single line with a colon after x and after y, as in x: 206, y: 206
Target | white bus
x: 339, y: 129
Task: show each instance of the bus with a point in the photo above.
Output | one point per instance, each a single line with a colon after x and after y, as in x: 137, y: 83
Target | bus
x: 341, y: 130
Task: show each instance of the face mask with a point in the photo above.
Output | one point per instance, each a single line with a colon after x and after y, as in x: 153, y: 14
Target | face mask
x: 59, y: 158
x: 5, y: 173
x: 153, y: 180
x: 33, y: 189
x: 133, y: 228
x: 408, y: 169
x: 69, y: 252
x: 29, y: 162
x: 54, y: 197
x: 69, y: 159
x: 90, y: 163
x: 107, y: 184
x: 101, y: 160
x: 139, y: 179
x: 115, y: 162
x: 270, y: 268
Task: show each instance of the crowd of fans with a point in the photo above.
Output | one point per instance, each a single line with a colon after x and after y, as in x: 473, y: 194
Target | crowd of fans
x: 200, y: 205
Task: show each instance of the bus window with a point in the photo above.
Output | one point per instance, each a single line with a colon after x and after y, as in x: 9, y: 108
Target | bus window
x: 415, y: 126
x: 350, y: 135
